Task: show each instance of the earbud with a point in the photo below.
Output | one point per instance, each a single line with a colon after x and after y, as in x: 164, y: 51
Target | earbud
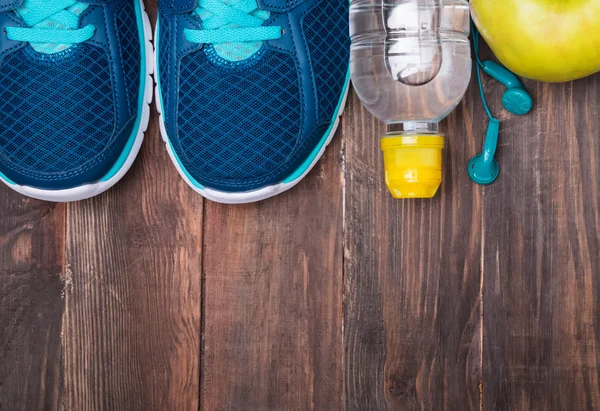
x: 516, y: 99
x: 483, y: 168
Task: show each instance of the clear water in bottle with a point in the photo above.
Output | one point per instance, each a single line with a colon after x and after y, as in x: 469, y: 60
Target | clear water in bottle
x: 411, y: 66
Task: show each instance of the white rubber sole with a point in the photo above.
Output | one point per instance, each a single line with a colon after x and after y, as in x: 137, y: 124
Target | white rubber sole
x: 90, y: 190
x: 248, y: 196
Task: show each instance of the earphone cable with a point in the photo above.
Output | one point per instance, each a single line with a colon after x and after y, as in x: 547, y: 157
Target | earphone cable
x: 475, y: 35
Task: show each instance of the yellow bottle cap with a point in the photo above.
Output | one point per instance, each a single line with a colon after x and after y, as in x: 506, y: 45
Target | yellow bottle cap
x: 413, y: 165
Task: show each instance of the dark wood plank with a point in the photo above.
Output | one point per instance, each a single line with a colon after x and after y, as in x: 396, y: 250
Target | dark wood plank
x: 542, y: 255
x: 412, y: 278
x: 132, y: 316
x: 273, y: 298
x: 32, y: 242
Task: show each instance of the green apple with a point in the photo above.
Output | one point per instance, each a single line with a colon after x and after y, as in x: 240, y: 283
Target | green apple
x: 546, y: 40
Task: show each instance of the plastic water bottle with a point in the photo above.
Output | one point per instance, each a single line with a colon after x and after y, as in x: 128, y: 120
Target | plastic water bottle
x: 411, y: 66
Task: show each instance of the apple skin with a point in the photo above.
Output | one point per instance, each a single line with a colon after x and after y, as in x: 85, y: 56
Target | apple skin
x: 545, y: 40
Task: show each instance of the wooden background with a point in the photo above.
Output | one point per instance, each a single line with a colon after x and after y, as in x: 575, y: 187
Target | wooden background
x: 332, y: 296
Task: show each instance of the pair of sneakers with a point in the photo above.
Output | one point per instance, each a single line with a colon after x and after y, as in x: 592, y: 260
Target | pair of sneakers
x: 249, y: 91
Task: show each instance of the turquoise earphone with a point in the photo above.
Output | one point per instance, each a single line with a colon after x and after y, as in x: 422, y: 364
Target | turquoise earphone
x: 483, y: 168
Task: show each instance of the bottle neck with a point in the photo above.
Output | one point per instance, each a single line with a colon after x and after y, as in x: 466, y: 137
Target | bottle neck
x: 412, y: 128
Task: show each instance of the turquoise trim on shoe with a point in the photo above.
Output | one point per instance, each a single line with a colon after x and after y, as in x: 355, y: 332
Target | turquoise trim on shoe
x: 310, y: 160
x: 141, y: 99
x: 7, y: 180
x: 181, y: 167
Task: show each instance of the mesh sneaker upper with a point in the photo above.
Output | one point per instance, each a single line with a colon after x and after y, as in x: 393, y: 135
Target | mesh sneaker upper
x: 59, y: 121
x: 129, y: 46
x: 326, y: 28
x: 61, y: 113
x: 236, y: 122
x: 243, y: 125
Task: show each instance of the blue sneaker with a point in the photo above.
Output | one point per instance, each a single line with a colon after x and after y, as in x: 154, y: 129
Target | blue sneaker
x: 250, y: 91
x: 75, y: 90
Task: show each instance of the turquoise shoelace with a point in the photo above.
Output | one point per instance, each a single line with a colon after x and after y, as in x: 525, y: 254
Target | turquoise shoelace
x: 232, y: 21
x: 51, y: 22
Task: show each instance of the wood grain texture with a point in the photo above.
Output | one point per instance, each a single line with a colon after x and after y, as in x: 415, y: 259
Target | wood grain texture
x: 412, y: 279
x: 132, y: 316
x: 32, y: 242
x: 332, y: 296
x: 273, y: 298
x: 542, y: 255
